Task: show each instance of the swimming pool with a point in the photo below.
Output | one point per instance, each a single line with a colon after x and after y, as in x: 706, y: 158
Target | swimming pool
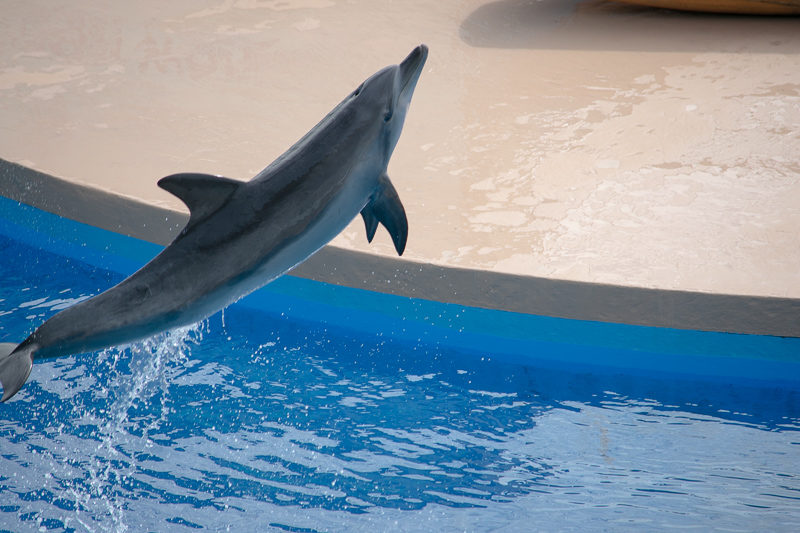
x: 311, y: 407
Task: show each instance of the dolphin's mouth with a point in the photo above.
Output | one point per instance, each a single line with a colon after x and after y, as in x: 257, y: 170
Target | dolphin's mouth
x: 411, y: 67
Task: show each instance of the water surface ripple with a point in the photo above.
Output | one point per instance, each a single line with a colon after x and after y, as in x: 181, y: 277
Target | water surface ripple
x: 256, y: 421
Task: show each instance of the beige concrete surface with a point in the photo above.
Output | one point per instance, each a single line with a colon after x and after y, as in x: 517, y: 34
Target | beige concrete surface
x: 580, y: 141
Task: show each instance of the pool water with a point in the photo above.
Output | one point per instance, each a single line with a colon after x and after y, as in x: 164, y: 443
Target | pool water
x: 275, y: 415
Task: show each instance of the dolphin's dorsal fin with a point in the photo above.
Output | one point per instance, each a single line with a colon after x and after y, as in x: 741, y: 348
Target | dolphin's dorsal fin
x: 384, y: 206
x: 203, y: 194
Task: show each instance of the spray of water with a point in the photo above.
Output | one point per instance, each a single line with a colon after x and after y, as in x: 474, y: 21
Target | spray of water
x: 139, y: 373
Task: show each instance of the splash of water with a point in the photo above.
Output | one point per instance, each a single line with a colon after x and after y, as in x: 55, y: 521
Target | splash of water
x: 150, y: 366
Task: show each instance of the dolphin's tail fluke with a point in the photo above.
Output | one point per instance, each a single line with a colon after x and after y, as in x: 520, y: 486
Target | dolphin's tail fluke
x: 15, y: 367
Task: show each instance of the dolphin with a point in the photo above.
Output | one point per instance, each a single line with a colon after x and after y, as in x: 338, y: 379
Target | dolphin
x: 242, y: 235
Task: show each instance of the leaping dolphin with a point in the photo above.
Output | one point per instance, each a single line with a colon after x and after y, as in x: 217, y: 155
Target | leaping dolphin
x: 242, y: 235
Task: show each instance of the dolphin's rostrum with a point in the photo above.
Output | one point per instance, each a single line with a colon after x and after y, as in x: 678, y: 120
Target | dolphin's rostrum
x: 242, y: 235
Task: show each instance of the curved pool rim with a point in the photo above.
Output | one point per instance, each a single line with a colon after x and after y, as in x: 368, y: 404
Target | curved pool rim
x: 630, y: 330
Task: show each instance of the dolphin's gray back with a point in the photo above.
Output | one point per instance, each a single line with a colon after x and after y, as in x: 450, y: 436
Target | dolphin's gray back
x: 190, y: 278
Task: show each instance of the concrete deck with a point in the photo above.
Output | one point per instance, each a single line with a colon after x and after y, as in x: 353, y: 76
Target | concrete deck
x: 587, y: 145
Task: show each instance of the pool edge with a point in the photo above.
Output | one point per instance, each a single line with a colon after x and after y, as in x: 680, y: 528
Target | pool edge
x: 576, y: 300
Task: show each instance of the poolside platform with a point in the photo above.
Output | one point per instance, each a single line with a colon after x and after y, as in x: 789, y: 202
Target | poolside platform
x: 579, y: 159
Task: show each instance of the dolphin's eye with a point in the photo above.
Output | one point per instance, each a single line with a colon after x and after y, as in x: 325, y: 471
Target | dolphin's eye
x: 388, y: 116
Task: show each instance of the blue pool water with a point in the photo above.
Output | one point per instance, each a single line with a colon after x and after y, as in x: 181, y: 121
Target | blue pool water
x: 307, y: 407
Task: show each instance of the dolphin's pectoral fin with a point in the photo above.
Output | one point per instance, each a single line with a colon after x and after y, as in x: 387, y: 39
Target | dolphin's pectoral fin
x: 370, y: 221
x: 202, y: 193
x: 385, y: 207
x: 15, y: 367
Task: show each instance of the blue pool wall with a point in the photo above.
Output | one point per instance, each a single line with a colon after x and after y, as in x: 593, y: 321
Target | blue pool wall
x: 502, y: 335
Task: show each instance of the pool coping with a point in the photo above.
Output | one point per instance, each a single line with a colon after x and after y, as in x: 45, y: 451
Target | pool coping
x: 576, y: 300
